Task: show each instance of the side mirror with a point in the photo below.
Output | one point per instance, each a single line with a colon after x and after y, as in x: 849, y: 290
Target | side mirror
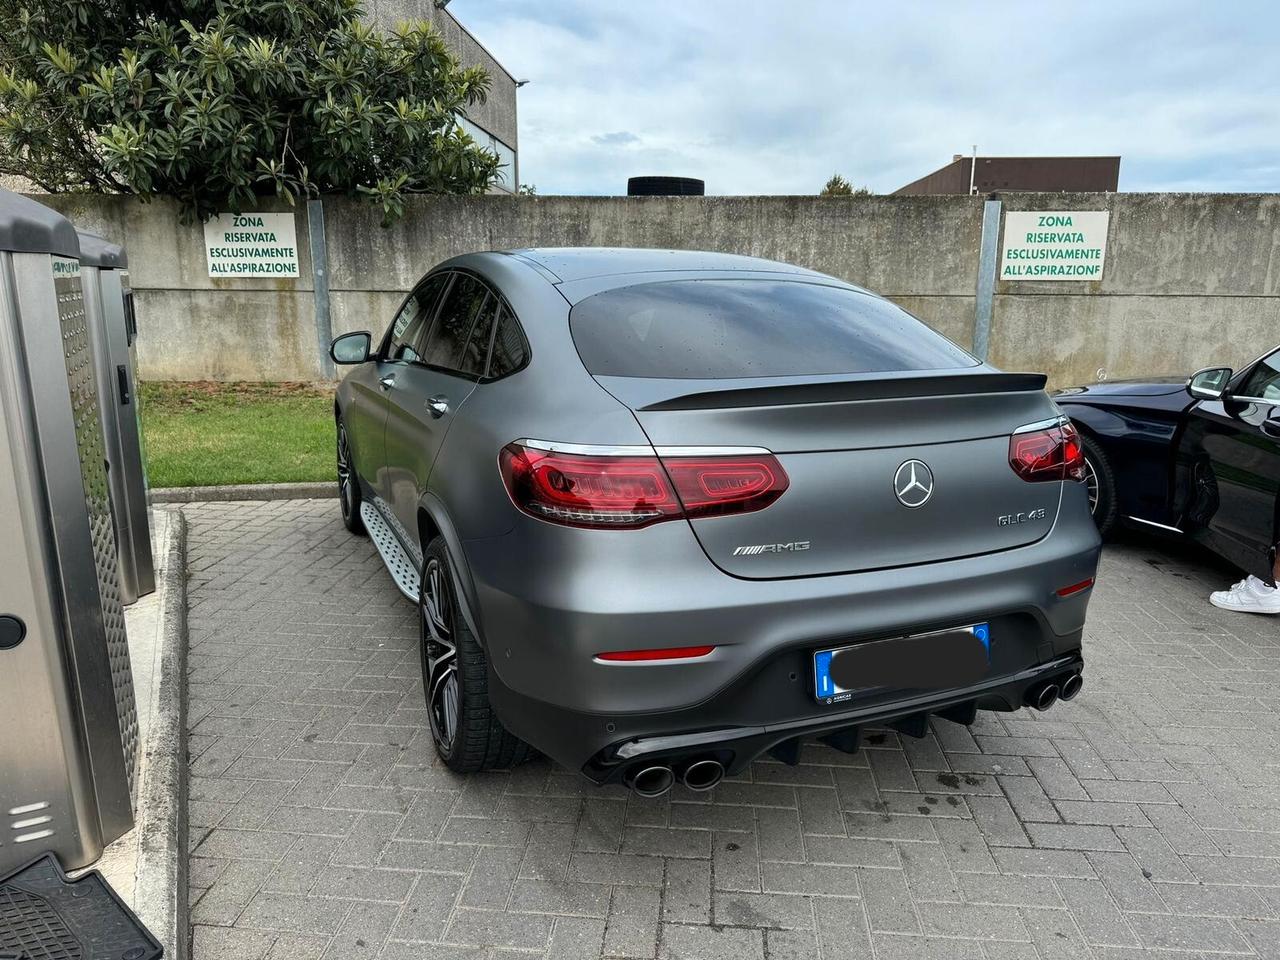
x: 1209, y: 383
x: 351, y: 347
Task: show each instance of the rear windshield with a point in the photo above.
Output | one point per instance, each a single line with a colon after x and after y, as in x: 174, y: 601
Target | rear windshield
x: 723, y: 329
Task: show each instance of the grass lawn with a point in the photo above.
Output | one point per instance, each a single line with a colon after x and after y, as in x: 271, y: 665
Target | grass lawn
x: 219, y: 433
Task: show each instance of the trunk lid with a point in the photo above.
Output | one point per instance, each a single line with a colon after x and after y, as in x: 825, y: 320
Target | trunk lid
x: 847, y: 445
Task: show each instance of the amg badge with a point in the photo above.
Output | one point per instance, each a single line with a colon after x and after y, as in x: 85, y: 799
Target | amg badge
x: 794, y: 547
x: 1009, y: 519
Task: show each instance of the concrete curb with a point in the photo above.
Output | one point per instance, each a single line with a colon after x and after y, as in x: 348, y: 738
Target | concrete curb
x: 160, y: 892
x: 247, y: 491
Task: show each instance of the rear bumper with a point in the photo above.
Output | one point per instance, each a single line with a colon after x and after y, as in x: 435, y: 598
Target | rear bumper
x: 542, y: 625
x: 734, y: 746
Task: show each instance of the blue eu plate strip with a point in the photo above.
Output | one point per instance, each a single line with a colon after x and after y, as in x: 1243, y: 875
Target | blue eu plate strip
x: 822, y: 674
x: 983, y: 632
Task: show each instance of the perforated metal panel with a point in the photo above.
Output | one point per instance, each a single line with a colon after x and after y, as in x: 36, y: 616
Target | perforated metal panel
x: 84, y: 404
x: 403, y: 569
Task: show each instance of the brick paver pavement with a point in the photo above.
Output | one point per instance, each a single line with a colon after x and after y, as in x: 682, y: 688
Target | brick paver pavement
x: 1141, y: 820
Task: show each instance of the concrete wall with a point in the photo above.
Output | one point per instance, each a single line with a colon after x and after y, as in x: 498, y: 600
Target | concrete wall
x: 193, y: 327
x: 921, y: 252
x: 1189, y: 279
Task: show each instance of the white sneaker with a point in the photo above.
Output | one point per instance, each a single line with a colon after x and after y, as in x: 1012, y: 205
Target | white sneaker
x: 1250, y: 595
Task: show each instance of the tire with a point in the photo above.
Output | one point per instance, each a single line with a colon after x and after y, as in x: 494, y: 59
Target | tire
x: 455, y: 678
x: 1102, y: 486
x: 349, y: 497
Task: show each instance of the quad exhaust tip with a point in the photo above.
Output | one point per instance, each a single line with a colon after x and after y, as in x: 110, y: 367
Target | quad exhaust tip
x: 1071, y: 687
x: 1045, y: 697
x: 651, y: 781
x: 702, y: 774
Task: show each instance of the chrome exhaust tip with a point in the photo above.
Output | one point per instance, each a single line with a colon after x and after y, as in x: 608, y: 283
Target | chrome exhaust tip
x: 651, y: 781
x: 702, y: 774
x: 1071, y: 687
x: 1045, y: 697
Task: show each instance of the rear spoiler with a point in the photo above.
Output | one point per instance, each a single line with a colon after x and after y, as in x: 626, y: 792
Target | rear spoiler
x: 656, y: 394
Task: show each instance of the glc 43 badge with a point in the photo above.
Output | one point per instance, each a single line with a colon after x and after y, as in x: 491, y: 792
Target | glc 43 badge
x: 1009, y: 519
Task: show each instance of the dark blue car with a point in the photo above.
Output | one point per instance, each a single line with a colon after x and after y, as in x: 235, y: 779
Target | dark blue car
x: 1197, y: 457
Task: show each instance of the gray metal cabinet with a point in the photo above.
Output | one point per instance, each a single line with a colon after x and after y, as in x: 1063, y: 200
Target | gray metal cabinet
x: 69, y: 741
x: 108, y: 306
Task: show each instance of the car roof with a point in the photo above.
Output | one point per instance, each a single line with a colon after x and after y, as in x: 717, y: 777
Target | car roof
x: 568, y: 264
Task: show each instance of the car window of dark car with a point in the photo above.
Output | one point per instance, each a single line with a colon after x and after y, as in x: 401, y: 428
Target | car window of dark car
x: 509, y: 352
x: 722, y: 329
x: 1263, y: 383
x: 454, y: 320
x: 406, y: 331
x: 476, y: 352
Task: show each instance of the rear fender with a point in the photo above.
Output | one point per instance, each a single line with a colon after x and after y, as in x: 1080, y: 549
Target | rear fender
x: 1142, y: 462
x: 1097, y: 421
x: 433, y: 518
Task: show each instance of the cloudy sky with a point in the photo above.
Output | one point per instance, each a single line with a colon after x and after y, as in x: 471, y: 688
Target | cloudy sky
x: 759, y: 97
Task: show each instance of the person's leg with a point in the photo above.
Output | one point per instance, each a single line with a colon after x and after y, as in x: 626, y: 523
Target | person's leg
x: 1253, y: 594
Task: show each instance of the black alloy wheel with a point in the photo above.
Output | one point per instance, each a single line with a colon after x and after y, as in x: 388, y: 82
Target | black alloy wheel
x: 1100, y: 482
x: 348, y: 484
x: 439, y: 655
x: 1091, y: 484
x: 455, y: 677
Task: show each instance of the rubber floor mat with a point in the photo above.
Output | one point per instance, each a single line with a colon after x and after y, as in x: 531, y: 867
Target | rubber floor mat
x: 45, y: 916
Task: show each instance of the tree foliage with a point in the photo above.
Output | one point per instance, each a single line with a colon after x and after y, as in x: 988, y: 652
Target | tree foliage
x: 218, y: 102
x: 838, y: 186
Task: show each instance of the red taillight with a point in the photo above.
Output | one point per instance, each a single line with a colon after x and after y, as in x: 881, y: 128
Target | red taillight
x: 590, y: 490
x: 666, y: 653
x: 1050, y: 453
x: 713, y: 486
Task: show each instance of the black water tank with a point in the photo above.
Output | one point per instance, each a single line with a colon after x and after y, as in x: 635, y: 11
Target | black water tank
x: 665, y: 187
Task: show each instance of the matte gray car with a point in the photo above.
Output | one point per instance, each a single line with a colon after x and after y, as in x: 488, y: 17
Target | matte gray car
x: 664, y: 511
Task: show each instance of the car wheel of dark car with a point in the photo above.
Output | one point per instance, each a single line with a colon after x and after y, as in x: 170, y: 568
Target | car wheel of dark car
x: 1101, y: 484
x: 467, y: 734
x: 348, y: 484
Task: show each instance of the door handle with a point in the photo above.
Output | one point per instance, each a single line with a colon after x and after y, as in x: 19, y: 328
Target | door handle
x: 1271, y: 427
x: 387, y: 382
x: 438, y: 406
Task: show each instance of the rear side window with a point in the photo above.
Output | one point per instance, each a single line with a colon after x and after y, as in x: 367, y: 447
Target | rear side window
x: 509, y: 352
x: 457, y: 314
x: 723, y: 329
x: 477, y: 349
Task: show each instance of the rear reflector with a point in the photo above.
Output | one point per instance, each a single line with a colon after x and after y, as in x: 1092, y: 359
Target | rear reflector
x: 669, y: 653
x: 1046, y: 454
x: 1075, y: 588
x: 606, y: 491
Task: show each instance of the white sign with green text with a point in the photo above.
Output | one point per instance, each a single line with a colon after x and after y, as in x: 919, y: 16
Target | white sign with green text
x: 1054, y: 245
x: 251, y: 245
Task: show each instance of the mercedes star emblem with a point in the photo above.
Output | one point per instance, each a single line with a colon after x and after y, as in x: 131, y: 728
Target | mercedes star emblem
x: 913, y: 483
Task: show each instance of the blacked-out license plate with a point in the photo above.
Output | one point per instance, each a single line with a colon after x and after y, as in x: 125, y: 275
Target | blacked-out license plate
x: 928, y: 661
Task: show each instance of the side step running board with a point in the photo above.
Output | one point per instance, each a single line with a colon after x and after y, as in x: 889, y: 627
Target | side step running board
x: 401, y: 568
